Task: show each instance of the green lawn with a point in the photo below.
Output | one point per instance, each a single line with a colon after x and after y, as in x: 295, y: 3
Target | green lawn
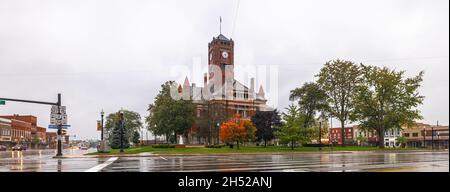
x: 271, y: 149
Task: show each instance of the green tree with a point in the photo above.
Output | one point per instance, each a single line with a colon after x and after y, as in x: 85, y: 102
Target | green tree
x: 311, y: 99
x: 402, y: 140
x: 116, y: 136
x: 35, y: 141
x: 361, y: 139
x: 339, y: 80
x: 266, y: 122
x: 387, y: 100
x: 136, y: 137
x: 169, y: 115
x: 132, y: 120
x: 291, y: 131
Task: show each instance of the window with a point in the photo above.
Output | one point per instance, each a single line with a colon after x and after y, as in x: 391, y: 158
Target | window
x: 406, y: 134
x: 415, y: 134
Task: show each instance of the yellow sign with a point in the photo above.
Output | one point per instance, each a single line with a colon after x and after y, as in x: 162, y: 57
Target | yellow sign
x: 99, y: 125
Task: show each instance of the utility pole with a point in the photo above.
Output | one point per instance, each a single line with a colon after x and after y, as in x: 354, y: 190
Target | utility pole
x: 424, y: 135
x: 59, y: 126
x: 102, y: 114
x: 59, y: 152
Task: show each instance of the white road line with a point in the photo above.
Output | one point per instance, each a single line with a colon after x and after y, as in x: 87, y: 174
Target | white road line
x: 162, y: 158
x: 103, y: 165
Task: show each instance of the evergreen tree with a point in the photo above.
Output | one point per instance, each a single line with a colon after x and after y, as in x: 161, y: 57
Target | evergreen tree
x: 115, y: 137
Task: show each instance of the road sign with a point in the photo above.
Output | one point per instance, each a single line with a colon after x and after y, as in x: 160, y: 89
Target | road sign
x: 2, y: 102
x: 58, y: 115
x: 56, y: 126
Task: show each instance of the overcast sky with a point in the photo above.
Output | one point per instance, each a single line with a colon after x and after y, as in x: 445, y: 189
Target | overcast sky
x: 104, y: 54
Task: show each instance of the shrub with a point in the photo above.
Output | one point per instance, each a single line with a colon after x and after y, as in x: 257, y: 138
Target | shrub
x: 163, y: 146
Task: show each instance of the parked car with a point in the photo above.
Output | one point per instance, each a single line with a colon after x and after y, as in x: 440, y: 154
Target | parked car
x: 19, y: 148
x: 83, y: 148
x: 2, y: 148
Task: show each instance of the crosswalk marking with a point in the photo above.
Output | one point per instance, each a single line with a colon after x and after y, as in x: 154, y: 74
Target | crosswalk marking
x: 103, y: 165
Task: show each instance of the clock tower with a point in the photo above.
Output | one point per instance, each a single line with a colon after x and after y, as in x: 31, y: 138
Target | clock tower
x: 221, y: 56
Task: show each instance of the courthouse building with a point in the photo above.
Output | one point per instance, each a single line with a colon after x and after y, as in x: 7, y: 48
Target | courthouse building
x: 221, y: 95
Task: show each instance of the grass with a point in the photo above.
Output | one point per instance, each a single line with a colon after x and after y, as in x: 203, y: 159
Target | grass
x: 245, y: 149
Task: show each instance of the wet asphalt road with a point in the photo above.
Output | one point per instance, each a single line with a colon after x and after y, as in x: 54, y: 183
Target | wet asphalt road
x: 42, y: 161
x: 295, y: 162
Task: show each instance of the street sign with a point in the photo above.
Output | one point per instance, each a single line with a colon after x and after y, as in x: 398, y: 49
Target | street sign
x: 56, y: 126
x: 2, y: 102
x: 58, y: 115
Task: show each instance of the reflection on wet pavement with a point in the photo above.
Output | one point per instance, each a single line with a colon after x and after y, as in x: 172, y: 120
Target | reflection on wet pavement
x: 295, y: 162
x: 43, y: 161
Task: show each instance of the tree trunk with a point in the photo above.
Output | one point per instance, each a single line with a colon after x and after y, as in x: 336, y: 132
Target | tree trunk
x: 292, y: 144
x: 265, y: 143
x: 381, y: 138
x: 343, y: 133
x: 237, y: 144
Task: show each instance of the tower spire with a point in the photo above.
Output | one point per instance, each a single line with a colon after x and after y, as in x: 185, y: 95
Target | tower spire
x: 220, y: 29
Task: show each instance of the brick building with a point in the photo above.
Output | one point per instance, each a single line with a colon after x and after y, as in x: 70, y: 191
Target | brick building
x: 51, y: 139
x: 424, y: 135
x: 5, y: 132
x: 24, y: 128
x: 335, y: 135
x: 222, y: 95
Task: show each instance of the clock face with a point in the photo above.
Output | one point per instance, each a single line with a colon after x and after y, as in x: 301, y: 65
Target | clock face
x: 225, y: 54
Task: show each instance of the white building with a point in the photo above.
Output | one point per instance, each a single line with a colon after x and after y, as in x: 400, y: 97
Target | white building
x: 390, y: 138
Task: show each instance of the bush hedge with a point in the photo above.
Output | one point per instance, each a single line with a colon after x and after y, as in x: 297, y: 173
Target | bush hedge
x: 163, y: 146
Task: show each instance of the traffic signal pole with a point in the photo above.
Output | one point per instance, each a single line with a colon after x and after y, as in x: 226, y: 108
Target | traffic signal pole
x: 59, y: 151
x: 58, y: 103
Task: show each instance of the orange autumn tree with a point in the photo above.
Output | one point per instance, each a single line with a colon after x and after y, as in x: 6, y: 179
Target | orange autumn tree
x: 237, y: 130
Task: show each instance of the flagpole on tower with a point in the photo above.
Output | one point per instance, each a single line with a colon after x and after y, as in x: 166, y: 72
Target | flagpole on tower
x: 220, y: 32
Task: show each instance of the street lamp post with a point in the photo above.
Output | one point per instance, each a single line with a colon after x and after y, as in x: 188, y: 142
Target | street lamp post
x: 424, y: 134
x: 439, y: 141
x: 102, y: 114
x: 121, y: 131
x: 432, y: 138
x: 218, y: 130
